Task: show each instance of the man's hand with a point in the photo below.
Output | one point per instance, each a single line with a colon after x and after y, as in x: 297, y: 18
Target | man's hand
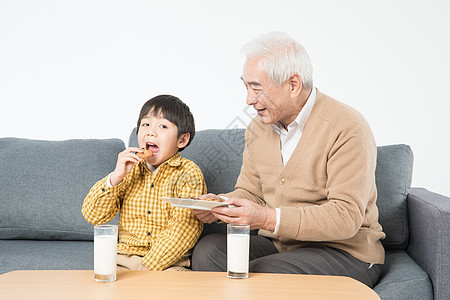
x: 125, y: 162
x: 206, y: 216
x: 247, y: 212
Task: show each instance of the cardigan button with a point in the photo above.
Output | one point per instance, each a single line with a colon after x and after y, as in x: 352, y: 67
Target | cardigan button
x: 282, y: 181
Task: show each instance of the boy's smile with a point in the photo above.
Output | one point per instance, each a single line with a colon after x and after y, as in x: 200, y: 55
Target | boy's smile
x: 159, y: 135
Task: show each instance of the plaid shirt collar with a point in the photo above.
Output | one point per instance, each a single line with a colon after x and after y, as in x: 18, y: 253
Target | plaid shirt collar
x: 174, y: 161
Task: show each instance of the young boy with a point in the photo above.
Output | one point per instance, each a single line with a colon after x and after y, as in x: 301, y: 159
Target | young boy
x: 153, y: 235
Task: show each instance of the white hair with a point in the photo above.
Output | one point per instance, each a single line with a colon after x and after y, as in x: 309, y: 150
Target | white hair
x: 282, y: 57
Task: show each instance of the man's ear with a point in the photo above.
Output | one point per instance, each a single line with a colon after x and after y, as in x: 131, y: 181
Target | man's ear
x: 183, y: 140
x: 296, y: 85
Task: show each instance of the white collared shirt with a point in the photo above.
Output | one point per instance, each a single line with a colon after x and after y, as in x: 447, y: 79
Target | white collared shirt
x: 291, y: 137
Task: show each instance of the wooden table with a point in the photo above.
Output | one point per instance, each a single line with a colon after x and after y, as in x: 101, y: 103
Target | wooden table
x: 69, y: 284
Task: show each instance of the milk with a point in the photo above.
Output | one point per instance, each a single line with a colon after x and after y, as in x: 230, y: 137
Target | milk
x: 105, y: 249
x: 237, y: 252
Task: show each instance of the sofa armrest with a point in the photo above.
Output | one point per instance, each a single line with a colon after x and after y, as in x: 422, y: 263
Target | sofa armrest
x: 429, y: 228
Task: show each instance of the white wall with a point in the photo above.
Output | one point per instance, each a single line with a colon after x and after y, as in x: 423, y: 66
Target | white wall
x: 82, y: 69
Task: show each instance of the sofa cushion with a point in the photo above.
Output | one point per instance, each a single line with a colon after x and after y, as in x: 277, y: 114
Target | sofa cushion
x: 44, y: 184
x: 45, y: 255
x: 393, y: 177
x: 402, y: 279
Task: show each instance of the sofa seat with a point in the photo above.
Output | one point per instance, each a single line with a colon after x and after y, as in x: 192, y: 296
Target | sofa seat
x: 46, y: 255
x: 401, y: 276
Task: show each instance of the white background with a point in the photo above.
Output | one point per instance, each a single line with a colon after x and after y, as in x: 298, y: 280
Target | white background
x: 83, y: 69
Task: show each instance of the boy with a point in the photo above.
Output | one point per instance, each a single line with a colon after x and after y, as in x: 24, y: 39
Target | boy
x: 152, y: 234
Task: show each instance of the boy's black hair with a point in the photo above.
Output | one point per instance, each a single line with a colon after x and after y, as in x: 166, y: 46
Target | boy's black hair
x: 174, y: 110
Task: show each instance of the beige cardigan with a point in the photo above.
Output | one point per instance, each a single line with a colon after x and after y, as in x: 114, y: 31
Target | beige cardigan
x: 326, y: 192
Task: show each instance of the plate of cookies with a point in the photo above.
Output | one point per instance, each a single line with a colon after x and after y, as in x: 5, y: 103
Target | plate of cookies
x: 193, y: 203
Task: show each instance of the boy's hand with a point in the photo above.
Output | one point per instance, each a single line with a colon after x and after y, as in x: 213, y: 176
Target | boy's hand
x: 125, y: 162
x: 144, y: 268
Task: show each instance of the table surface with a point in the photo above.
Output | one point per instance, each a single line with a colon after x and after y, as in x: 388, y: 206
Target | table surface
x: 77, y: 284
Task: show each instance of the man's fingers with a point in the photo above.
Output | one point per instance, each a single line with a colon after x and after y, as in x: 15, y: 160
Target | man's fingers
x: 229, y: 219
x: 210, y: 195
x: 238, y: 201
x: 204, y: 215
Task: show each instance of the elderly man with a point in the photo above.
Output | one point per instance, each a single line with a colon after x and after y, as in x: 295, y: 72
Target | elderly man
x: 308, y: 176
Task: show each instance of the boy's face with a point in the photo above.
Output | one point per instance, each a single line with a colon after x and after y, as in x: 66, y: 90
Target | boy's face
x: 161, y: 136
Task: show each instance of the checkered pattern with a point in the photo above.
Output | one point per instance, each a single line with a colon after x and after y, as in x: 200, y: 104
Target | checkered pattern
x: 148, y: 226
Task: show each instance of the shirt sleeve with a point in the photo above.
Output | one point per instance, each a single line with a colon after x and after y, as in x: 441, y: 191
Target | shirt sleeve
x: 183, y: 228
x: 277, y: 225
x: 103, y: 202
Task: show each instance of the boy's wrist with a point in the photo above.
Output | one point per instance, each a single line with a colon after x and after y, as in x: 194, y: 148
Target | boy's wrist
x: 113, y: 179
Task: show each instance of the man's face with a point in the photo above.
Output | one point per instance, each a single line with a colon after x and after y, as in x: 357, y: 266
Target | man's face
x: 273, y: 103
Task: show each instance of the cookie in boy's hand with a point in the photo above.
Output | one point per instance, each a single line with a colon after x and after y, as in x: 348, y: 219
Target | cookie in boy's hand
x: 146, y: 154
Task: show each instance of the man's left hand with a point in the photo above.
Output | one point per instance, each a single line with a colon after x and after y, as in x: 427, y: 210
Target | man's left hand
x: 247, y: 212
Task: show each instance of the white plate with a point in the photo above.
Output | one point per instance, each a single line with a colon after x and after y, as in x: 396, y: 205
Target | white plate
x: 192, y: 203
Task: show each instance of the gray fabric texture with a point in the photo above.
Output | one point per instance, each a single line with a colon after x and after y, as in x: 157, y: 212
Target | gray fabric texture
x: 393, y: 177
x: 402, y: 279
x: 45, y: 255
x: 429, y: 215
x: 44, y: 184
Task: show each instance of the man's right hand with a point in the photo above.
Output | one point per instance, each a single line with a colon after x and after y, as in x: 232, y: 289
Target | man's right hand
x: 206, y: 216
x: 125, y: 162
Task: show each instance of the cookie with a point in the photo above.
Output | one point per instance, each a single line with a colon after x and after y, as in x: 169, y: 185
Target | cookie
x: 146, y: 154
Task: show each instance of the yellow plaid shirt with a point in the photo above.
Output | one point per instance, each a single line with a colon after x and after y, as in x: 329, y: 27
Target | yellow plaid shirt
x: 149, y: 226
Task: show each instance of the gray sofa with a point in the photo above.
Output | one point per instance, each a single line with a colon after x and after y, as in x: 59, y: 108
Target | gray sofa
x: 43, y: 184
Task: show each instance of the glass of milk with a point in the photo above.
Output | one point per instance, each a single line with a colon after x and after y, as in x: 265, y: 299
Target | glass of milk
x: 105, y: 251
x: 238, y: 245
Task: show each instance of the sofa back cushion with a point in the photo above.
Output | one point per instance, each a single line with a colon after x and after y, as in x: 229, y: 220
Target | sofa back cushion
x: 218, y: 153
x: 393, y: 177
x: 44, y: 183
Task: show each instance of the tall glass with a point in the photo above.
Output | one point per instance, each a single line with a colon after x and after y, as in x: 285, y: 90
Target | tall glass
x: 238, y: 246
x: 105, y: 252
